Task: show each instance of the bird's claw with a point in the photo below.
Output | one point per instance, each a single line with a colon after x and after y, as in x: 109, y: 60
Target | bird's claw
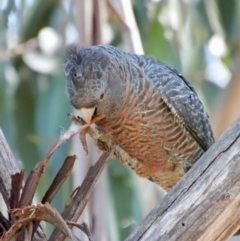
x: 82, y: 137
x: 77, y: 120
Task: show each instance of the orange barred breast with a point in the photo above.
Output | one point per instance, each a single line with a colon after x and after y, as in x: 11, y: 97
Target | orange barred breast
x: 149, y: 132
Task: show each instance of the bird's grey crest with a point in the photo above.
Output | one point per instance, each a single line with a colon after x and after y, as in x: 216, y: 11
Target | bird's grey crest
x: 90, y: 59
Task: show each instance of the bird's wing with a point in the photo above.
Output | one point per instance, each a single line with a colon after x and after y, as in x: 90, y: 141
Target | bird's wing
x: 182, y: 99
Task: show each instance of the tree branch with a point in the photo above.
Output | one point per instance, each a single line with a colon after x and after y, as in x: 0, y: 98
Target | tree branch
x: 74, y: 210
x: 8, y: 168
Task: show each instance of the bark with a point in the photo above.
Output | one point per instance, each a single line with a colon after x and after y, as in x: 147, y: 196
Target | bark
x: 8, y: 168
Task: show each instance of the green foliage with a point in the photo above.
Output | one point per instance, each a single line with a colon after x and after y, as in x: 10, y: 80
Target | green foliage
x: 229, y: 16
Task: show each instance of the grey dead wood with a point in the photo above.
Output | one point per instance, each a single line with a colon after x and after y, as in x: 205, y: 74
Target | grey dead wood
x: 205, y: 204
x: 8, y: 168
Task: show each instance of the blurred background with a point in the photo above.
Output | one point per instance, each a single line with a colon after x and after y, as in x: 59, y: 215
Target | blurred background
x: 199, y: 38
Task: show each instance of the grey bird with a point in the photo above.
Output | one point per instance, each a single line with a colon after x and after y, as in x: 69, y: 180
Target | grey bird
x: 149, y: 109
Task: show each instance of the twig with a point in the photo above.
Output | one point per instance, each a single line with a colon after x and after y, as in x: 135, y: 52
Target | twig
x: 4, y: 224
x: 83, y: 227
x: 33, y: 179
x: 17, y: 182
x: 31, y: 213
x: 75, y: 208
x: 30, y: 186
x: 60, y: 178
x: 8, y: 168
x: 73, y: 130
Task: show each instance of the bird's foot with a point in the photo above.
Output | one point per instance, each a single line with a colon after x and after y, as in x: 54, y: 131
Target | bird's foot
x: 77, y: 120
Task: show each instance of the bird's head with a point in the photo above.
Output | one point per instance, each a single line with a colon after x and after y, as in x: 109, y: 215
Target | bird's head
x: 93, y: 84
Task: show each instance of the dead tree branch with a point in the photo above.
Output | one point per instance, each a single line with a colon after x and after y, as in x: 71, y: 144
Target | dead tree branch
x: 75, y: 208
x: 8, y: 168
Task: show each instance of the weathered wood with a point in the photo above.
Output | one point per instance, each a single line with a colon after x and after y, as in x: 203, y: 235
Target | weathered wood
x: 8, y: 168
x: 204, y: 205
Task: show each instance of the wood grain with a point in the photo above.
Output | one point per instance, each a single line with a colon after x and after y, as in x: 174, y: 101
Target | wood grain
x: 8, y: 168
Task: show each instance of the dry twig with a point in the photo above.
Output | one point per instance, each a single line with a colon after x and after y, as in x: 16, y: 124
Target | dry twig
x: 74, y: 210
x: 31, y: 213
x: 23, y: 216
x: 83, y: 227
x: 58, y: 181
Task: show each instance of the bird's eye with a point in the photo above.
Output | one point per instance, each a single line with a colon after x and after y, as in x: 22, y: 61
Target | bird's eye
x: 74, y: 74
x: 101, y: 96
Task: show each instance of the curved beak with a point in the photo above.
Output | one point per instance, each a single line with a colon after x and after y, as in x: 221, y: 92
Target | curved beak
x: 87, y: 114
